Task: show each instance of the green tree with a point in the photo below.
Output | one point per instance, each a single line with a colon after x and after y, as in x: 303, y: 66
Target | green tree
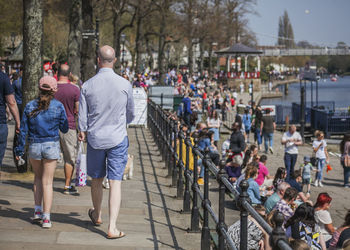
x: 285, y: 31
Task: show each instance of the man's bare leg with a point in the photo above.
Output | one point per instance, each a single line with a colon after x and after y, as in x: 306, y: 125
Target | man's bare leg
x: 96, y: 196
x: 68, y: 173
x: 114, y: 205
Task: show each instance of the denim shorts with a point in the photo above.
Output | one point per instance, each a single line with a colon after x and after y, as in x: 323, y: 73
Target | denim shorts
x: 45, y: 150
x: 111, y: 161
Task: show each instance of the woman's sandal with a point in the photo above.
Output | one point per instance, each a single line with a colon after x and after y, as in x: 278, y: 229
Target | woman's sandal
x: 112, y: 237
x: 96, y: 223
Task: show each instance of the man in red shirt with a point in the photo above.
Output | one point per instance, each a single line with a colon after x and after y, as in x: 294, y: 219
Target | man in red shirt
x: 68, y: 94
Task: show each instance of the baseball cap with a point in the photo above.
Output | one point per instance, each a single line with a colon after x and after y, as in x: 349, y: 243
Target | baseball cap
x: 48, y: 83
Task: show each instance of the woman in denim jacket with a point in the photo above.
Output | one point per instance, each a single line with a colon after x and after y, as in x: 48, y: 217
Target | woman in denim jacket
x: 41, y: 121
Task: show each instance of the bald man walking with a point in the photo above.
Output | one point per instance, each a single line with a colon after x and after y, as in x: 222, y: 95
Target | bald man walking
x: 106, y: 106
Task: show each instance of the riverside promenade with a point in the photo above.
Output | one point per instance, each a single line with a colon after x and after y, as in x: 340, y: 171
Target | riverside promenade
x: 150, y: 213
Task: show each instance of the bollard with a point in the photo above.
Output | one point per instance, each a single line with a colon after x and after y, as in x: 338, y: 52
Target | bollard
x: 186, y: 205
x: 195, y: 210
x: 161, y: 100
x: 205, y: 237
x: 278, y: 233
x: 222, y: 189
x: 174, y: 146
x: 180, y: 182
x: 243, y: 198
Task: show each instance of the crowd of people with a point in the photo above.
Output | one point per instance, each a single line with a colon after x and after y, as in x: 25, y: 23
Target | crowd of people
x: 247, y: 150
x: 50, y: 125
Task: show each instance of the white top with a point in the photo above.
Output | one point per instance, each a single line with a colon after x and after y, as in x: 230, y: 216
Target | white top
x: 290, y: 146
x: 213, y: 123
x: 320, y: 154
x: 323, y: 218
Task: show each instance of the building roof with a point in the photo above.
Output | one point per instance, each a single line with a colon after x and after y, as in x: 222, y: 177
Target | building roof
x: 17, y: 55
x: 238, y: 49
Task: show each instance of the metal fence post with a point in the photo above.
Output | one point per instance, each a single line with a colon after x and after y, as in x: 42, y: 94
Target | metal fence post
x: 205, y: 238
x: 186, y: 205
x: 243, y: 198
x: 195, y: 210
x: 168, y: 143
x: 222, y: 189
x: 161, y: 100
x: 174, y: 155
x: 180, y: 182
x: 278, y: 233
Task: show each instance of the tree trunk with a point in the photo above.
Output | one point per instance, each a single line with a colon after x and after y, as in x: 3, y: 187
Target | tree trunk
x: 116, y: 41
x: 138, y: 41
x: 32, y: 48
x: 150, y: 54
x: 210, y: 60
x: 190, y: 57
x: 201, y: 63
x: 161, y: 46
x: 88, y: 53
x: 74, y: 37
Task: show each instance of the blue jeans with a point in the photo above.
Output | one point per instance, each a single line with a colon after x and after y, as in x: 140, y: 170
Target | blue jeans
x: 199, y: 163
x: 268, y: 140
x: 321, y: 163
x: 258, y: 136
x: 346, y: 175
x: 3, y: 141
x: 289, y: 162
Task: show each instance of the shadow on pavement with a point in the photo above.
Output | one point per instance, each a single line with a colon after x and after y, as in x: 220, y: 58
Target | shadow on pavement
x: 162, y: 196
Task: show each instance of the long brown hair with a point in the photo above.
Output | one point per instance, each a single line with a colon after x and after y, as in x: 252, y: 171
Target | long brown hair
x: 346, y: 138
x: 44, y: 99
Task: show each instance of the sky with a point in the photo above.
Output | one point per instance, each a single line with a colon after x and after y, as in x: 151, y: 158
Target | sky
x: 320, y: 22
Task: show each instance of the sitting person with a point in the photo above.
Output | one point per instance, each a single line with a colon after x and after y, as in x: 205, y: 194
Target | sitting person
x: 344, y: 239
x: 284, y: 205
x: 294, y: 182
x: 233, y: 168
x: 242, y: 177
x: 276, y: 196
x: 280, y: 177
x: 263, y: 173
x: 335, y: 237
x: 257, y: 237
x: 323, y: 217
x: 253, y: 189
x: 302, y: 226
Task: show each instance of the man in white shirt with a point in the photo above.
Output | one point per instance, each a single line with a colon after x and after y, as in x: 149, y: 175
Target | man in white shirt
x: 291, y: 140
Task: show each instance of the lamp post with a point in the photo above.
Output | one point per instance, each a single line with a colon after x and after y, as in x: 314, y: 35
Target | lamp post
x: 123, y: 50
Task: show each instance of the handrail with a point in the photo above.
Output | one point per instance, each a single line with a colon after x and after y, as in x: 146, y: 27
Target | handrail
x: 171, y: 141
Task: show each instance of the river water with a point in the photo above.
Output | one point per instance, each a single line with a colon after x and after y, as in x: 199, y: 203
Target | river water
x: 338, y: 91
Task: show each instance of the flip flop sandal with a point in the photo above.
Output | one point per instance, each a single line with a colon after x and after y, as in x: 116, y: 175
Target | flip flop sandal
x: 113, y: 237
x: 92, y: 218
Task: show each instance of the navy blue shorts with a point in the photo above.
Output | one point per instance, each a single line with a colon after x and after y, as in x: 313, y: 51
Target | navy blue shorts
x: 113, y: 160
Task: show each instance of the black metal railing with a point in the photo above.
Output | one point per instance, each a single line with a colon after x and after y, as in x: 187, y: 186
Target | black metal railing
x: 170, y: 140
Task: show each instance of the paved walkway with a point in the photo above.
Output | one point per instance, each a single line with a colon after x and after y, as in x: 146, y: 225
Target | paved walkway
x: 149, y: 214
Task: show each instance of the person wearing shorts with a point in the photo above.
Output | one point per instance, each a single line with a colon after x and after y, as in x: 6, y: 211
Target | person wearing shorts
x: 68, y: 94
x: 42, y: 120
x: 106, y: 106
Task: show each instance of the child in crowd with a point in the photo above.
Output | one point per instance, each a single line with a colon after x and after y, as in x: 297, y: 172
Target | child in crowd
x: 306, y: 173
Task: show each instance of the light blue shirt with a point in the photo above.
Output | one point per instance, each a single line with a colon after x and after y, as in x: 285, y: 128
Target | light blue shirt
x: 106, y: 106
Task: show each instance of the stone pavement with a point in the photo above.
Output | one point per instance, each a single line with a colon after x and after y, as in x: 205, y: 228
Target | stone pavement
x: 149, y: 214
